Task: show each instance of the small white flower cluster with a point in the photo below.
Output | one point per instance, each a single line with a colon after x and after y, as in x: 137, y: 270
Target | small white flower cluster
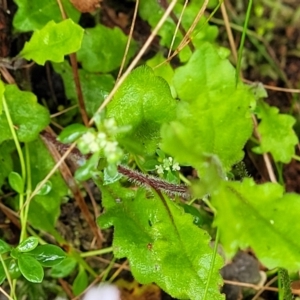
x: 167, y: 165
x: 92, y: 141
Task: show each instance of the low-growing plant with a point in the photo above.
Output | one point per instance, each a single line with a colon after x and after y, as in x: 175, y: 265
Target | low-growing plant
x: 140, y: 130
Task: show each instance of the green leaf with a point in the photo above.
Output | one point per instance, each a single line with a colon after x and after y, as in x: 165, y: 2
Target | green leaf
x: 161, y: 243
x: 201, y: 218
x: 45, y: 209
x: 48, y: 255
x: 4, y: 247
x: 16, y: 182
x: 64, y: 269
x: 111, y: 175
x: 214, y: 115
x: 53, y: 41
x: 144, y: 102
x: 285, y: 285
x: 276, y: 132
x: 6, y: 148
x: 71, y: 133
x: 45, y: 189
x: 27, y: 115
x: 245, y: 209
x: 14, y: 253
x: 28, y: 245
x: 30, y: 268
x: 164, y: 70
x: 13, y: 268
x: 2, y: 274
x: 34, y: 14
x: 103, y: 49
x: 2, y: 89
x: 202, y: 31
x: 95, y: 87
x: 86, y: 171
x: 80, y: 283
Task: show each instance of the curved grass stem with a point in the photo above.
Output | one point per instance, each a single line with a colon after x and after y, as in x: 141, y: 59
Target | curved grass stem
x: 23, y: 167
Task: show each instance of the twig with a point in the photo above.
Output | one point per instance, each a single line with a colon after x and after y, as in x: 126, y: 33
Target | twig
x: 129, y: 38
x: 134, y: 176
x: 70, y: 181
x: 275, y: 88
x: 257, y: 287
x: 186, y: 38
x: 5, y: 294
x: 179, y: 26
x: 66, y: 288
x: 157, y: 183
x: 266, y: 157
x: 229, y: 31
x: 262, y: 288
x: 73, y: 61
x: 81, y: 103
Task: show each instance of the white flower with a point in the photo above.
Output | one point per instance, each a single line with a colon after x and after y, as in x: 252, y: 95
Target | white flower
x: 167, y: 165
x: 175, y: 166
x: 94, y: 146
x: 110, y: 124
x: 110, y: 147
x: 88, y: 137
x: 112, y: 152
x: 102, y: 139
x: 159, y: 169
x: 115, y: 157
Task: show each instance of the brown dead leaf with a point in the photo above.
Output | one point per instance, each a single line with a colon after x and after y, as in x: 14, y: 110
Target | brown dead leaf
x: 86, y: 6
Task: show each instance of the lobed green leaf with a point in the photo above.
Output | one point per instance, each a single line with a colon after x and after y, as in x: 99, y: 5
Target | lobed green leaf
x: 53, y: 42
x: 2, y: 89
x: 34, y: 14
x: 202, y: 32
x: 285, y: 291
x: 259, y: 216
x: 214, y: 116
x: 103, y: 49
x: 95, y: 87
x: 161, y: 243
x: 45, y: 209
x: 276, y: 132
x: 6, y: 149
x: 144, y: 102
x: 27, y: 115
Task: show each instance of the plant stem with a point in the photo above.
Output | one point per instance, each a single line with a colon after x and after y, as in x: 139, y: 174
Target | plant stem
x: 22, y: 163
x: 240, y: 52
x: 212, y: 264
x: 97, y: 252
x: 28, y: 192
x: 12, y: 290
x: 109, y: 267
